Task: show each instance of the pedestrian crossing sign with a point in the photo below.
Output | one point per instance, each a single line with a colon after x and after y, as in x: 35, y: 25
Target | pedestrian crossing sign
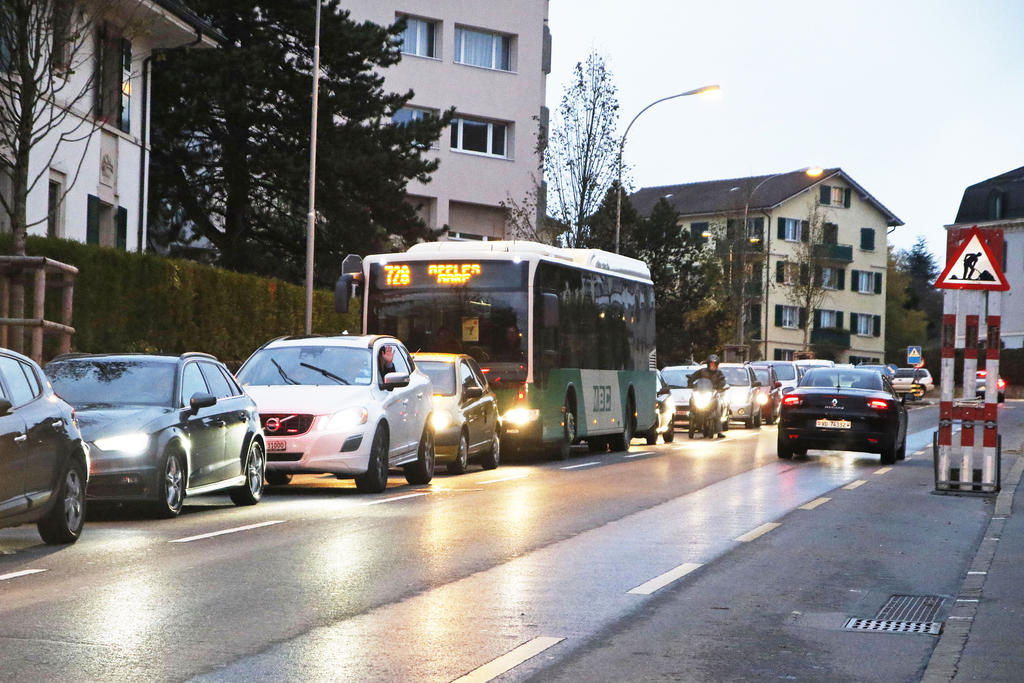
x: 973, y: 267
x: 914, y: 356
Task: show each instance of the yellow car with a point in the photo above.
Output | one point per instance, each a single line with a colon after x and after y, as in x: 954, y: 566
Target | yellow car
x: 465, y: 416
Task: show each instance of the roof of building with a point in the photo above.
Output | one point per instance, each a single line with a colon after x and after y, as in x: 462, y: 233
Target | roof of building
x: 764, y: 192
x: 978, y: 203
x: 180, y: 10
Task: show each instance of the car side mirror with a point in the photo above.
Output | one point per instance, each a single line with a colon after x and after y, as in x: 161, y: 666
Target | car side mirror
x: 200, y: 401
x: 395, y: 380
x: 787, y: 390
x: 5, y: 406
x: 472, y: 393
x: 664, y: 391
x: 776, y: 384
x: 756, y: 384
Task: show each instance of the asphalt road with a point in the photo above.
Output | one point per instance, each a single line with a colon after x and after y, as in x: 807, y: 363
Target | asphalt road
x: 527, y: 570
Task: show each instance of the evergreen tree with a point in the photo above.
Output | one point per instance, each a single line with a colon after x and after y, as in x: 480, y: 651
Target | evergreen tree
x: 921, y: 270
x: 904, y: 325
x: 231, y: 133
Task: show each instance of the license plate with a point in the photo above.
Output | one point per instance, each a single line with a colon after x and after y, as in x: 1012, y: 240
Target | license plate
x: 832, y: 424
x: 277, y: 445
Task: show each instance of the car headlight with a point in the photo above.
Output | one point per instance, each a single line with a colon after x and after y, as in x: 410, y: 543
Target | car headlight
x: 701, y: 399
x: 345, y: 419
x: 129, y: 444
x: 441, y: 419
x: 521, y: 416
x: 762, y: 399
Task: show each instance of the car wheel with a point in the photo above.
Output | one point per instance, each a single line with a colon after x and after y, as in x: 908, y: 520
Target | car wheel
x: 375, y: 479
x: 171, y: 486
x: 492, y: 457
x: 757, y: 419
x: 888, y: 454
x: 64, y: 522
x: 251, y: 492
x: 669, y: 435
x: 690, y: 430
x: 422, y: 471
x: 784, y: 450
x: 652, y: 435
x: 620, y: 442
x: 901, y: 454
x: 458, y: 466
x: 276, y: 478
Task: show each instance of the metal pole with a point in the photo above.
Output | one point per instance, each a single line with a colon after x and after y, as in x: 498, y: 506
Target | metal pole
x: 311, y: 217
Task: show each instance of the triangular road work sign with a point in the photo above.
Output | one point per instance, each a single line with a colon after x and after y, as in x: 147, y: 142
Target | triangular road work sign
x: 973, y: 267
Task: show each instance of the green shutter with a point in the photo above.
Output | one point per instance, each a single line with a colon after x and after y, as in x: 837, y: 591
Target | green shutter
x: 817, y: 276
x: 876, y: 323
x: 805, y: 231
x: 817, y: 318
x: 867, y: 239
x: 839, y: 320
x: 846, y: 198
x: 878, y: 283
x: 780, y: 271
x: 854, y: 276
x: 840, y: 278
x: 122, y: 228
x: 92, y: 221
x: 803, y: 318
x: 782, y: 228
x: 853, y: 323
x: 778, y: 315
x: 804, y: 273
x: 824, y: 194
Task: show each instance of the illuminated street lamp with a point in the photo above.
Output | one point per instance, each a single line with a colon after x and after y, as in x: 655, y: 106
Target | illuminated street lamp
x: 622, y: 143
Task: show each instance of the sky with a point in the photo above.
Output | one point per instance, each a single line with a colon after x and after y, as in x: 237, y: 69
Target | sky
x: 915, y: 100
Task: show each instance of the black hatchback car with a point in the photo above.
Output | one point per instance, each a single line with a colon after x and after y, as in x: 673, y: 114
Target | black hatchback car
x: 843, y: 409
x: 163, y: 427
x: 44, y: 464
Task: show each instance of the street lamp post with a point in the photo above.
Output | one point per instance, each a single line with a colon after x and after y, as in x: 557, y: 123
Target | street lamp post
x: 311, y: 217
x: 622, y: 144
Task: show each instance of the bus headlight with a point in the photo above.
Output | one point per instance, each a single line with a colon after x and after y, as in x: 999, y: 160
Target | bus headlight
x: 521, y: 416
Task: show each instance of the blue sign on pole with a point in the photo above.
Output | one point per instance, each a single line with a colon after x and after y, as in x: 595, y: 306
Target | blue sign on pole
x: 913, y: 356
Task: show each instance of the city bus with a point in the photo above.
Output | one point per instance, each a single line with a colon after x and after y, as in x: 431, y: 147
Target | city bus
x: 565, y: 337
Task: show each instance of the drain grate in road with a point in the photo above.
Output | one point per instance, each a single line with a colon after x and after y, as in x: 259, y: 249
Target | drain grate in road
x: 903, y: 614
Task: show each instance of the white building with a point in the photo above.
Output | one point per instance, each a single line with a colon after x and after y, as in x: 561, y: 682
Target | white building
x: 102, y: 177
x: 998, y: 203
x: 490, y: 61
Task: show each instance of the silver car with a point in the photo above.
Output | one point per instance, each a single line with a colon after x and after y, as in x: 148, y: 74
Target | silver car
x: 742, y: 394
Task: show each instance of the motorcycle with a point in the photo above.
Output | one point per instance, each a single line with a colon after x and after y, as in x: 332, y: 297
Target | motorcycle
x: 705, y: 409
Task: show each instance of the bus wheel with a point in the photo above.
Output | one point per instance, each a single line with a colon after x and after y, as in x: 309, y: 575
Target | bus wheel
x: 620, y: 442
x: 561, y: 450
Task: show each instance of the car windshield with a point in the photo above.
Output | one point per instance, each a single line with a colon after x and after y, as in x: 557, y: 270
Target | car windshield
x: 441, y: 374
x: 737, y: 377
x: 88, y: 382
x: 785, y: 372
x: 676, y: 378
x: 842, y: 379
x: 309, y: 365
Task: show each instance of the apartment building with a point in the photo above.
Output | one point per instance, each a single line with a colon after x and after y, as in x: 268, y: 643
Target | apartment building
x: 998, y: 203
x: 847, y: 250
x: 490, y: 61
x: 93, y: 168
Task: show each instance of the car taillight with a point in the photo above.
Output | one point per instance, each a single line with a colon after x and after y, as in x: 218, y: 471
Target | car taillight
x: 878, y: 404
x: 982, y: 373
x: 792, y: 400
x: 521, y: 394
x: 1001, y: 383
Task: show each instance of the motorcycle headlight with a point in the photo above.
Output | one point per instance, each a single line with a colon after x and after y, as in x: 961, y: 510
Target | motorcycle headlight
x: 345, y: 419
x: 441, y: 419
x: 701, y: 399
x: 135, y: 443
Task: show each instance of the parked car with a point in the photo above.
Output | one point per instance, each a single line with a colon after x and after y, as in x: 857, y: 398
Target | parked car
x: 337, y: 405
x: 769, y: 394
x: 161, y: 428
x: 742, y: 394
x: 44, y: 462
x: 979, y: 384
x: 676, y: 378
x: 905, y: 378
x: 843, y: 409
x: 465, y: 413
x: 665, y: 407
x: 785, y: 372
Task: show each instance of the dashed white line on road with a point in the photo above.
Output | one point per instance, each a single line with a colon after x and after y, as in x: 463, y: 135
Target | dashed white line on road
x: 814, y: 503
x: 235, y: 530
x: 582, y: 464
x: 24, y: 572
x: 393, y: 498
x: 509, y: 660
x: 509, y: 478
x: 758, y: 532
x: 882, y: 470
x: 854, y: 484
x: 664, y: 579
x: 637, y: 455
x: 977, y: 573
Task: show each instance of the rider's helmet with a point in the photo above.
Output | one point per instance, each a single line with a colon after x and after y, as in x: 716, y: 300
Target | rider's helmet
x: 713, y: 362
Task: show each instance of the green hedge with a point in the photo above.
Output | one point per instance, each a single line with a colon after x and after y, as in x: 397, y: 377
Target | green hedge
x: 142, y: 302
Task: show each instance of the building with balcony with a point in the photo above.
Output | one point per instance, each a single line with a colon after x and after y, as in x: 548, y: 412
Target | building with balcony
x: 92, y: 168
x: 490, y: 61
x: 781, y: 231
x: 998, y: 203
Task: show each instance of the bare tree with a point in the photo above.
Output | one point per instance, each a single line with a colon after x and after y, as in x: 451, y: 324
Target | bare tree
x: 808, y: 290
x: 580, y: 159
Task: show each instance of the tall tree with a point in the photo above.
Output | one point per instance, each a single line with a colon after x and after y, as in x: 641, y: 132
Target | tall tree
x: 582, y: 151
x: 232, y: 132
x: 808, y: 291
x: 905, y: 325
x: 921, y: 270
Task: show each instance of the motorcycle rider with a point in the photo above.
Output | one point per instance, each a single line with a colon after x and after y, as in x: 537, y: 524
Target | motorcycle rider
x: 711, y: 372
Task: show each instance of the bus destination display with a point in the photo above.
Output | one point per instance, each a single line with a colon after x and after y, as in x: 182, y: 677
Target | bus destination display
x: 429, y: 274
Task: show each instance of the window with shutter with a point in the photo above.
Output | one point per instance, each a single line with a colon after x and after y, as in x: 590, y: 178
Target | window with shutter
x: 782, y: 231
x: 92, y: 221
x: 853, y: 323
x: 846, y: 198
x: 824, y: 194
x: 803, y: 318
x: 876, y: 325
x: 805, y: 231
x: 817, y: 319
x: 867, y: 239
x: 778, y: 315
x: 804, y: 273
x: 780, y: 271
x: 878, y: 283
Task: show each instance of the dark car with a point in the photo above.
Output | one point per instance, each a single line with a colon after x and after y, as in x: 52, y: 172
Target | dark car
x: 44, y: 463
x: 769, y: 394
x: 163, y: 427
x: 846, y: 410
x: 979, y: 386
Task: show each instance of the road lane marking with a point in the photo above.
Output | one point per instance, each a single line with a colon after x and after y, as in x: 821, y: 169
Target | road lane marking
x: 509, y: 660
x: 582, y: 464
x: 25, y: 572
x: 814, y: 503
x: 758, y: 532
x: 977, y: 573
x: 392, y: 498
x: 235, y: 530
x: 664, y: 579
x: 854, y: 484
x: 882, y: 470
x: 967, y: 600
x: 637, y: 455
x: 509, y: 478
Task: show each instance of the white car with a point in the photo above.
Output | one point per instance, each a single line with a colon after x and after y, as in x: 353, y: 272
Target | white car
x: 785, y: 371
x: 330, y: 404
x: 905, y: 378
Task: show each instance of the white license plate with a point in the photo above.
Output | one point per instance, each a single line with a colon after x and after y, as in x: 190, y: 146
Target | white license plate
x: 832, y: 424
x: 277, y: 445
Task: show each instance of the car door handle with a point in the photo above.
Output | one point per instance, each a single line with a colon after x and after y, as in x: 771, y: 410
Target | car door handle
x: 21, y: 438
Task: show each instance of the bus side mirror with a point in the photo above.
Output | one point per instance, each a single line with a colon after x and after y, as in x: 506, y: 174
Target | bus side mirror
x: 549, y: 309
